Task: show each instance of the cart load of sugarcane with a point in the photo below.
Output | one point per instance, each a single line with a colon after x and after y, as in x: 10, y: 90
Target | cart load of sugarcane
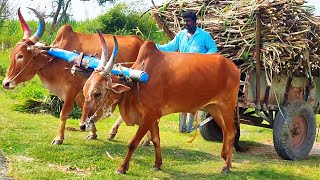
x: 288, y: 32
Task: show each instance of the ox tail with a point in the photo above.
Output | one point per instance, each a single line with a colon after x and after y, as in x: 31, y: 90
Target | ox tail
x: 196, y: 133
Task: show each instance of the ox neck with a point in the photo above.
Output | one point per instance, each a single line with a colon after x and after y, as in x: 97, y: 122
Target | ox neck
x: 45, y: 63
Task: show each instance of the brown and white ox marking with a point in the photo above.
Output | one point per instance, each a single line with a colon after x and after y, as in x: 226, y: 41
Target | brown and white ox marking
x: 179, y: 82
x: 26, y: 61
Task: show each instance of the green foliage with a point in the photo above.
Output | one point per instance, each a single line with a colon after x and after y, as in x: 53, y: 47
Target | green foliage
x: 12, y: 32
x: 50, y: 104
x: 2, y: 70
x: 30, y: 106
x: 53, y: 104
x: 87, y: 26
x: 121, y: 20
x: 32, y: 89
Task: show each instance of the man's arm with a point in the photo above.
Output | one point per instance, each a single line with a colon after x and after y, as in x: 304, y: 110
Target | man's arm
x: 172, y: 46
x: 210, y: 44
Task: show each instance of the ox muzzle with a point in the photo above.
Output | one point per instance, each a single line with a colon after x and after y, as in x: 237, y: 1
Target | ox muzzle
x: 8, y: 84
x: 88, y: 124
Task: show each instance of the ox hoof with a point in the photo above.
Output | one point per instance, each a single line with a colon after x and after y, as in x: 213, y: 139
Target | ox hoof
x: 111, y: 136
x: 92, y: 137
x: 155, y: 168
x: 225, y: 170
x: 57, y: 142
x: 120, y: 171
x: 145, y: 143
x: 241, y: 148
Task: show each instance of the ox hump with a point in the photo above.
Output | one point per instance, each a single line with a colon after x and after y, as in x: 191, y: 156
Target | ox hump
x: 65, y: 29
x: 148, y: 47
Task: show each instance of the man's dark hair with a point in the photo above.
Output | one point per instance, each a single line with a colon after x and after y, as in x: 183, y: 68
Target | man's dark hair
x: 189, y: 14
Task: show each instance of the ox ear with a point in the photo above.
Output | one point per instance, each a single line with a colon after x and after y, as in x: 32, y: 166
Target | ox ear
x: 119, y: 88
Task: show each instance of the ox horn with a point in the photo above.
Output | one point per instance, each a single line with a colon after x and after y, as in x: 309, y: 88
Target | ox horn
x: 113, y: 57
x: 104, y: 54
x: 35, y: 38
x: 26, y: 30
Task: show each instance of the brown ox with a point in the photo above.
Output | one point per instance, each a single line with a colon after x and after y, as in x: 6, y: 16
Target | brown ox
x: 26, y: 61
x: 179, y: 82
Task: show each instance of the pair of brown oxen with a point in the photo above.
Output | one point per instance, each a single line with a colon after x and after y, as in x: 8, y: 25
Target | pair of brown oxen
x: 213, y: 78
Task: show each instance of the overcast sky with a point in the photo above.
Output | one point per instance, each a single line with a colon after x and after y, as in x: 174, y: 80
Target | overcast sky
x: 82, y: 10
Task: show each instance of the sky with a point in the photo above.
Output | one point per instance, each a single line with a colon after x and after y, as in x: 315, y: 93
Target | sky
x: 89, y: 9
x: 80, y: 9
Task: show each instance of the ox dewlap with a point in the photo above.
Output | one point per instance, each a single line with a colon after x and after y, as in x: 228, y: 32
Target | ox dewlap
x: 93, y: 62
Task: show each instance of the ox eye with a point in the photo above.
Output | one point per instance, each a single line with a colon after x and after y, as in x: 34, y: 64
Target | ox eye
x: 20, y: 56
x: 97, y: 95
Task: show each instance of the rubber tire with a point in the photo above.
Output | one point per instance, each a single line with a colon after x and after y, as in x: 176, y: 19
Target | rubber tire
x: 281, y: 130
x: 211, y: 131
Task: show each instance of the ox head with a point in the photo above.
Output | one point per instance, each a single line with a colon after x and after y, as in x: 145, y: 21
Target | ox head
x: 100, y: 93
x: 22, y: 55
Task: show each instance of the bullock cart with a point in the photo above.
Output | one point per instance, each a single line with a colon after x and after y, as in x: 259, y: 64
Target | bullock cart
x: 286, y: 103
x: 285, y: 100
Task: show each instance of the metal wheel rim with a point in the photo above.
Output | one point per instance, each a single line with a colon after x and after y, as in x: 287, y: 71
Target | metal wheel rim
x: 298, y: 131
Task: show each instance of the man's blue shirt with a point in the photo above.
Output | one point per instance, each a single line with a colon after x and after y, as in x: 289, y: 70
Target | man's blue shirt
x: 199, y: 42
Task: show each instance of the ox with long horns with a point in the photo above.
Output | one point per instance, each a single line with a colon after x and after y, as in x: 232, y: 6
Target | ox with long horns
x: 28, y: 60
x: 214, y: 80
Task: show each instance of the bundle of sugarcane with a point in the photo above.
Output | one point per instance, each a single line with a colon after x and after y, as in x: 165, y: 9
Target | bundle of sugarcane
x: 290, y: 33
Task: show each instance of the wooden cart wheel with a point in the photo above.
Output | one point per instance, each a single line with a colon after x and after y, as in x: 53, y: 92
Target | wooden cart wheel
x: 294, y: 130
x: 211, y: 130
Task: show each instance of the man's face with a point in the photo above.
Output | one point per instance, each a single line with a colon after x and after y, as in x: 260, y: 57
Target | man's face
x: 189, y: 23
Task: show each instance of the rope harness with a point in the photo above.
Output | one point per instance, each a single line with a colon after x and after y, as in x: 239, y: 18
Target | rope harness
x: 89, y: 121
x: 127, y: 80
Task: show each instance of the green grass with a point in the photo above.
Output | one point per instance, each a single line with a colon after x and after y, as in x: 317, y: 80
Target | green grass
x: 25, y: 140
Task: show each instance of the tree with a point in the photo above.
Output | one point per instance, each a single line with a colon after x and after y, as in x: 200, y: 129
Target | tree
x: 4, y: 11
x: 61, y: 7
x: 64, y: 17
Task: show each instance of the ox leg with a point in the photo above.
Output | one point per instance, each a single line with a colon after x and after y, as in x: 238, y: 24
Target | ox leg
x: 92, y: 134
x: 66, y: 108
x: 147, y: 139
x: 156, y: 142
x: 80, y: 101
x: 115, y: 127
x: 224, y: 118
x: 132, y: 147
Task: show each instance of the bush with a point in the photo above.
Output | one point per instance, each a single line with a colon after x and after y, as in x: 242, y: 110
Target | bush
x: 50, y: 104
x: 53, y: 104
x: 87, y: 26
x: 2, y: 70
x: 32, y: 89
x: 123, y: 21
